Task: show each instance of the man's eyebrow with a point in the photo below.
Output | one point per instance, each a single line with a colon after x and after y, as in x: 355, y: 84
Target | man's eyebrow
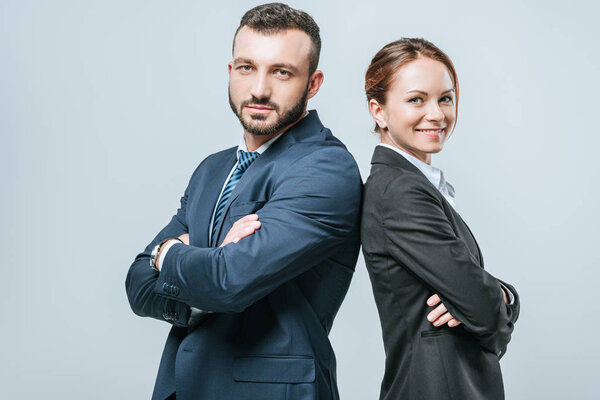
x: 242, y: 60
x: 285, y: 66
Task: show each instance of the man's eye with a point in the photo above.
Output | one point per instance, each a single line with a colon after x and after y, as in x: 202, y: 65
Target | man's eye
x: 283, y: 72
x: 245, y: 67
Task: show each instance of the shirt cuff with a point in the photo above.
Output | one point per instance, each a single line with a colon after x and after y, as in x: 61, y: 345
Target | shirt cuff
x: 511, y: 296
x: 163, y: 252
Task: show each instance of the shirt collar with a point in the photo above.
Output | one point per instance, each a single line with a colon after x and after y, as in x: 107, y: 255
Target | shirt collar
x: 433, y: 174
x: 242, y: 146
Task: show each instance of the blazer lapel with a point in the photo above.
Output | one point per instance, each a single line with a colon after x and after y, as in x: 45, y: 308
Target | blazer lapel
x: 383, y: 155
x: 210, y: 194
x: 303, y: 130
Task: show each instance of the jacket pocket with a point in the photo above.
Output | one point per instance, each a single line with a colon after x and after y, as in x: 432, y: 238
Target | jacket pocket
x: 274, y: 369
x: 468, y: 371
x: 437, y: 332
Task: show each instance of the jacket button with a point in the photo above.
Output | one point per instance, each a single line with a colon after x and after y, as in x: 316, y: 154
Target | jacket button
x: 175, y: 290
x: 166, y: 287
x: 166, y: 316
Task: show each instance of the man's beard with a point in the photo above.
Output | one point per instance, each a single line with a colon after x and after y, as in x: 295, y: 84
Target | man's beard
x: 288, y: 118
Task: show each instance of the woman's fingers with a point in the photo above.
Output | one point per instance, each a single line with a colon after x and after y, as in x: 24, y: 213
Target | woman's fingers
x: 433, y: 300
x: 454, y: 322
x: 436, y: 313
x: 445, y: 318
x: 440, y: 315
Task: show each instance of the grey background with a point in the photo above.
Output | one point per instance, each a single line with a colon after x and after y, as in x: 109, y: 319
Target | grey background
x: 106, y: 107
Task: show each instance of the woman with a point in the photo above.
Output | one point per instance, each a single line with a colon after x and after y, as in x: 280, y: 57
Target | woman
x: 445, y: 320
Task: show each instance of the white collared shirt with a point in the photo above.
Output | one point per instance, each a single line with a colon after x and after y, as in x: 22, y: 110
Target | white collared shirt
x: 433, y: 174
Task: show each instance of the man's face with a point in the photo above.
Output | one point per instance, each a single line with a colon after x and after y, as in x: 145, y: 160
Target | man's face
x: 268, y: 79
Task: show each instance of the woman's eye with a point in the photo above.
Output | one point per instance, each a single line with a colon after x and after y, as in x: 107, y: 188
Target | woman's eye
x: 415, y: 100
x: 446, y: 99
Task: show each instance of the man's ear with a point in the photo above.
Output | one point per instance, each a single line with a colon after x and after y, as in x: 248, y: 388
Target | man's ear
x: 229, y: 67
x: 314, y: 83
x: 378, y: 113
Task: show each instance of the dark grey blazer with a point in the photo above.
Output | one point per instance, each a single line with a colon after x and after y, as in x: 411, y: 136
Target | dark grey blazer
x: 415, y: 244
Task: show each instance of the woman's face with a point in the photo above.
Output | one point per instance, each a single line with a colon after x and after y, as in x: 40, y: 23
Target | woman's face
x: 420, y: 112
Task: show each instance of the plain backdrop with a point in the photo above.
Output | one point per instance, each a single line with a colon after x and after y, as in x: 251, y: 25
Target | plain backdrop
x: 106, y: 108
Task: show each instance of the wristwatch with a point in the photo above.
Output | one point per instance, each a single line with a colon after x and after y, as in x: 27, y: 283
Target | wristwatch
x: 156, y: 251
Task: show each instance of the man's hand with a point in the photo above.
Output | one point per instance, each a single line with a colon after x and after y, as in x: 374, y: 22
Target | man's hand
x: 440, y: 315
x: 243, y: 227
x: 185, y: 238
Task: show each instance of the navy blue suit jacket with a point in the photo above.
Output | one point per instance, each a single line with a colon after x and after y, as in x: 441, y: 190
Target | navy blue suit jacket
x: 275, y: 293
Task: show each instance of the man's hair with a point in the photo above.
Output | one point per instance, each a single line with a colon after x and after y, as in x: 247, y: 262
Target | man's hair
x: 273, y: 18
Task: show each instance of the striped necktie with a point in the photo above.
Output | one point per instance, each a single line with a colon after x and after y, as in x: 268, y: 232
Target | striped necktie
x: 244, y: 161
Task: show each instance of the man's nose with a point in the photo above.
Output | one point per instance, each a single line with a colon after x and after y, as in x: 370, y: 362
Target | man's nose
x: 261, y: 88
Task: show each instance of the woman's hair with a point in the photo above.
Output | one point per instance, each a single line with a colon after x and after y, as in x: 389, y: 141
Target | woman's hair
x: 392, y: 57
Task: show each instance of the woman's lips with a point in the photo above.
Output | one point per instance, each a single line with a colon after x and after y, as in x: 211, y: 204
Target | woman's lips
x: 432, y: 133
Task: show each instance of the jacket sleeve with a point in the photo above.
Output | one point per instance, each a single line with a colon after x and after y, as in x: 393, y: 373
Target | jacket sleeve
x: 420, y: 237
x: 314, y: 207
x: 141, y: 278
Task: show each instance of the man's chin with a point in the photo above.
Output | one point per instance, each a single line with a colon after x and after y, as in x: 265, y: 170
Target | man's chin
x: 259, y: 127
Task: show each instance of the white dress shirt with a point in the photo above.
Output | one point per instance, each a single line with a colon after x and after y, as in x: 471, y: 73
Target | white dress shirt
x: 433, y: 174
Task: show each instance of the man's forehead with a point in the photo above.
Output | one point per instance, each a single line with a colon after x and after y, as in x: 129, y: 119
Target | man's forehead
x: 289, y: 46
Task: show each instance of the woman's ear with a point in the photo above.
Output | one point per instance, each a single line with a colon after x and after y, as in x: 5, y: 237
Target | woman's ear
x: 378, y: 114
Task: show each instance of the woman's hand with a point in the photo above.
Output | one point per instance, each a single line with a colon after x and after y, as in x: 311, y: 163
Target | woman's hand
x: 440, y: 315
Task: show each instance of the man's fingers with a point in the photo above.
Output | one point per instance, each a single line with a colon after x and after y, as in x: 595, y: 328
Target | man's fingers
x: 249, y: 217
x: 433, y: 300
x: 243, y: 227
x: 436, y: 313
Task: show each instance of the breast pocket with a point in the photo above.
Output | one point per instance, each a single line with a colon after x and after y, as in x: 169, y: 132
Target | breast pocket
x: 239, y: 210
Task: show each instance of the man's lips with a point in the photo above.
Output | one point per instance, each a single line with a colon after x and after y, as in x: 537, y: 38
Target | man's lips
x: 433, y: 133
x: 259, y: 109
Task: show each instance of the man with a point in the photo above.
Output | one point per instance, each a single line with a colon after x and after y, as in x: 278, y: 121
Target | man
x: 252, y: 269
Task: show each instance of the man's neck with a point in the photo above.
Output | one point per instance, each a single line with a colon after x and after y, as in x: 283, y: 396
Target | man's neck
x: 253, y: 142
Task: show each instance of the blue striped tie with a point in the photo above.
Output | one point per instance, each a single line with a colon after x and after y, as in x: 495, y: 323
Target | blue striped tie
x: 244, y: 161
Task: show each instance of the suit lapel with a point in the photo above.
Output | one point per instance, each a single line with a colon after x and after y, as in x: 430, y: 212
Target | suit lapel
x: 210, y: 194
x: 303, y: 130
